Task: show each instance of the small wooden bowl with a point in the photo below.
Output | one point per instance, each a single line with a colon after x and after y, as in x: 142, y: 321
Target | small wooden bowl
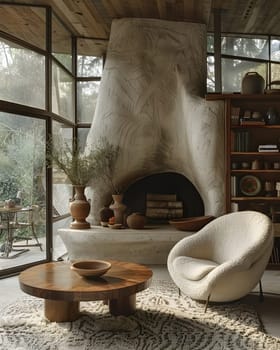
x: 191, y: 224
x: 91, y: 268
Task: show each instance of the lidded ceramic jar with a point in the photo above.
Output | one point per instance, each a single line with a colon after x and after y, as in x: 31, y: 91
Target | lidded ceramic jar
x: 136, y: 221
x: 252, y: 83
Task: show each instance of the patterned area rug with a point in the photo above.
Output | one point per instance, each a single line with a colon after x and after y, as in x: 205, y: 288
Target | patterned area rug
x: 163, y: 321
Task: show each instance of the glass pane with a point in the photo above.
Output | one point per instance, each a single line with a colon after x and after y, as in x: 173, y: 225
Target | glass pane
x: 82, y: 137
x: 22, y: 190
x: 275, y: 74
x: 62, y: 188
x: 62, y: 93
x: 87, y: 93
x: 210, y: 43
x: 256, y: 47
x: 210, y: 74
x: 233, y: 72
x: 90, y: 66
x: 89, y: 59
x: 22, y: 75
x: 61, y: 43
x: 30, y: 25
x: 275, y: 49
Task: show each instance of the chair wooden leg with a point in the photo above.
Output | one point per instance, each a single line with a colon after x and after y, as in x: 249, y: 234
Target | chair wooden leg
x: 179, y: 292
x: 206, y: 303
x: 35, y: 236
x: 261, y: 291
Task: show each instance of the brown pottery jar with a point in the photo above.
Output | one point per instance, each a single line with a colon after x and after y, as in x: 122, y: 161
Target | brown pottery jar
x: 136, y: 221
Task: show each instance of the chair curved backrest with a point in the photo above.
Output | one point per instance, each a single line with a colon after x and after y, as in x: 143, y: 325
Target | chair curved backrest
x: 234, y: 235
x: 232, y: 250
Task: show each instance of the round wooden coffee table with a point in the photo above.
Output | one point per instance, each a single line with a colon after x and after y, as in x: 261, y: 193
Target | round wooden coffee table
x: 63, y: 289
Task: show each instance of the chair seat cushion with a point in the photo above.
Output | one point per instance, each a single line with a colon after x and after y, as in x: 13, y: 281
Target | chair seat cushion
x: 192, y: 268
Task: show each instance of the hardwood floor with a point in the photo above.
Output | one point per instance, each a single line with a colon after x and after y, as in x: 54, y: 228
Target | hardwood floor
x: 269, y: 309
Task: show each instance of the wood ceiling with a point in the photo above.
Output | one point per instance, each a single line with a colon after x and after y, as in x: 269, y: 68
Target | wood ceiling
x: 93, y: 18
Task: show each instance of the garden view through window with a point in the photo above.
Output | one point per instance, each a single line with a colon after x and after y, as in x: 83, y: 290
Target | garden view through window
x: 22, y: 188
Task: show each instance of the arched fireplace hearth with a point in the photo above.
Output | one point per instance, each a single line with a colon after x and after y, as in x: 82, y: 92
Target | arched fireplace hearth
x: 181, y: 198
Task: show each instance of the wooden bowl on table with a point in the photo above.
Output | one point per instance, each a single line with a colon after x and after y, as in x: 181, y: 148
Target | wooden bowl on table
x: 191, y: 224
x: 91, y: 268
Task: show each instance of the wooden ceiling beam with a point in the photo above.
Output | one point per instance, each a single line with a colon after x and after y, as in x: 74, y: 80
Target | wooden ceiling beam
x: 92, y: 18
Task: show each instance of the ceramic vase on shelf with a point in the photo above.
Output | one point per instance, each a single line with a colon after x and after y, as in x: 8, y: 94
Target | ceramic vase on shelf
x: 272, y: 117
x: 118, y: 208
x: 252, y: 83
x: 79, y: 209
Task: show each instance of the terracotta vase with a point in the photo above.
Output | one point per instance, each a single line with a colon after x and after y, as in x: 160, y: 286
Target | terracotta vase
x: 136, y: 221
x: 119, y: 208
x: 79, y: 209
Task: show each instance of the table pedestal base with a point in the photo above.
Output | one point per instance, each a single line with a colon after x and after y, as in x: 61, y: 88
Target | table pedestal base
x: 124, y: 305
x: 62, y: 311
x: 67, y: 311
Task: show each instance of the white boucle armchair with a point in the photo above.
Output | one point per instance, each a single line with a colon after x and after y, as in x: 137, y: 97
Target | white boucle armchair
x: 225, y: 260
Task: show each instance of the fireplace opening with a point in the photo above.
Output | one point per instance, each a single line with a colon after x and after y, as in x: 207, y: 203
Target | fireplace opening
x: 163, y: 196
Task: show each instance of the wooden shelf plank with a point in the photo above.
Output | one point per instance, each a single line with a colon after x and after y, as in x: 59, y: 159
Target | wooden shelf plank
x: 252, y: 199
x: 253, y: 171
x: 239, y: 96
x: 256, y: 154
x: 255, y: 126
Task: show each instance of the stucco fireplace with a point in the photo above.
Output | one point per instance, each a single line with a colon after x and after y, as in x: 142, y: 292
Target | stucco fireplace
x: 171, y: 140
x: 151, y: 105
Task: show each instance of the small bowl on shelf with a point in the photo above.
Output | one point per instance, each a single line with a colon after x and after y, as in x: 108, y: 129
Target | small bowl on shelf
x: 91, y: 268
x: 104, y: 223
x: 192, y: 223
x: 115, y: 226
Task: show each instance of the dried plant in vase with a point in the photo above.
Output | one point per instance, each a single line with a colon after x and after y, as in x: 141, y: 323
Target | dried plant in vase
x: 107, y: 164
x: 107, y: 168
x: 80, y: 168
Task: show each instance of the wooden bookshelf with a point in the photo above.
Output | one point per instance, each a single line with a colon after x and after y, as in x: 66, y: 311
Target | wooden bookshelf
x: 242, y: 150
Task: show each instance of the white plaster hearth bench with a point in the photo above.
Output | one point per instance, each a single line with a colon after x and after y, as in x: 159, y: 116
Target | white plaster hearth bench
x: 148, y: 246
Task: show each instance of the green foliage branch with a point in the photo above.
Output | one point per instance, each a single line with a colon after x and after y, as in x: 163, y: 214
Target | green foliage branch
x: 82, y: 167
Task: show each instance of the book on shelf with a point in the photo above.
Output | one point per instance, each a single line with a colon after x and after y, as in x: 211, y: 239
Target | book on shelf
x: 164, y: 204
x: 268, y: 146
x: 274, y: 258
x: 164, y: 213
x: 233, y: 184
x: 251, y: 121
x: 161, y: 197
x: 235, y: 115
x: 268, y: 150
x: 241, y: 142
